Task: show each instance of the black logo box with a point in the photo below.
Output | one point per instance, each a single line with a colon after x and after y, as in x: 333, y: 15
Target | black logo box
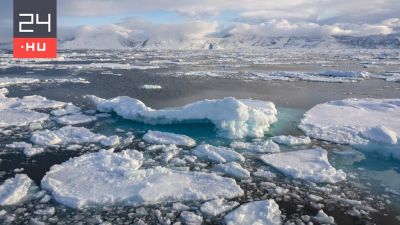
x: 41, y: 7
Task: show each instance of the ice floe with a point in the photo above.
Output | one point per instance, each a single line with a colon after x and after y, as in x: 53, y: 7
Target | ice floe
x: 64, y: 136
x: 8, y: 81
x: 190, y: 218
x: 67, y: 110
x: 264, y: 212
x: 115, y: 178
x: 232, y: 169
x: 27, y: 148
x: 75, y: 119
x: 323, y: 218
x: 267, y: 146
x: 217, y: 206
x: 233, y: 118
x: 217, y: 154
x: 367, y: 124
x: 158, y: 137
x: 151, y: 87
x: 311, y: 165
x: 290, y: 140
x: 15, y: 190
x: 20, y: 117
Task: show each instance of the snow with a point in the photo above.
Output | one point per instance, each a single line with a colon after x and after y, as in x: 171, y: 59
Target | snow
x: 217, y: 206
x: 15, y: 190
x: 158, y: 137
x: 27, y: 148
x: 290, y: 140
x: 217, y: 154
x: 232, y: 169
x: 116, y: 179
x: 75, y: 119
x: 264, y: 212
x: 20, y: 117
x: 151, y: 87
x: 310, y: 165
x: 233, y: 118
x: 64, y: 136
x: 267, y: 146
x: 367, y: 124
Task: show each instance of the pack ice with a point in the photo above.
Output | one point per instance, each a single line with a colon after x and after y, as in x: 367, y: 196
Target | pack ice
x: 264, y: 212
x: 367, y: 124
x: 116, y: 178
x: 233, y: 118
x: 158, y: 137
x: 311, y: 165
x: 16, y: 189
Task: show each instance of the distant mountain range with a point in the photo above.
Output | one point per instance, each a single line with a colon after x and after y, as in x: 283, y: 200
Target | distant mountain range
x: 115, y: 41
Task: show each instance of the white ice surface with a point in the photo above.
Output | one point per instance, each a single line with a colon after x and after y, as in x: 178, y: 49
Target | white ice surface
x: 232, y: 169
x: 15, y: 190
x: 367, y: 124
x: 75, y: 119
x: 158, y: 137
x: 217, y: 154
x: 67, y: 110
x: 151, y: 86
x: 8, y: 81
x: 27, y: 148
x: 267, y: 146
x: 264, y: 212
x: 290, y: 140
x: 115, y: 178
x: 311, y: 165
x: 65, y: 135
x: 20, y: 117
x: 233, y: 118
x: 217, y: 206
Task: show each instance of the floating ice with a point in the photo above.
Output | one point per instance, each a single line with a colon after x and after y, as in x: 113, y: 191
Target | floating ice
x: 259, y: 212
x: 323, y: 218
x: 217, y: 154
x: 190, y: 218
x: 69, y: 109
x: 216, y: 207
x: 232, y: 169
x: 8, y: 81
x: 311, y: 165
x: 290, y: 140
x: 111, y: 141
x: 16, y: 189
x: 115, y: 178
x: 3, y: 92
x: 367, y: 124
x: 65, y: 135
x: 75, y: 119
x: 151, y: 87
x: 20, y: 117
x: 26, y: 147
x: 267, y: 146
x: 233, y: 118
x: 158, y: 137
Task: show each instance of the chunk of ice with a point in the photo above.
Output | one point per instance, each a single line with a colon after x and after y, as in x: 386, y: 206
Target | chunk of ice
x: 158, y: 137
x: 217, y: 154
x: 259, y: 212
x: 15, y: 190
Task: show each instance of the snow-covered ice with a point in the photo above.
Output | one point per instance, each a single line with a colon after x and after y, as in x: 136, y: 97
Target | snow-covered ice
x: 75, y: 119
x: 217, y: 206
x: 290, y: 140
x: 20, y: 117
x: 15, y: 190
x: 267, y: 146
x: 367, y: 124
x: 233, y: 118
x: 65, y: 135
x: 27, y: 148
x: 217, y: 154
x: 67, y: 110
x: 190, y: 218
x: 232, y: 169
x: 115, y: 178
x: 158, y: 137
x: 264, y: 212
x: 111, y: 141
x: 311, y: 165
x: 8, y: 81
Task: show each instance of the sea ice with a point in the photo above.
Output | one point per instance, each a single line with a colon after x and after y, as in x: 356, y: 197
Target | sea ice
x: 151, y: 87
x: 311, y: 165
x: 3, y: 92
x: 290, y: 140
x: 16, y: 189
x: 158, y: 137
x: 111, y: 141
x: 67, y: 110
x: 233, y: 118
x: 8, y: 81
x: 75, y: 119
x: 267, y: 146
x: 232, y: 169
x: 26, y: 147
x: 217, y: 154
x: 367, y: 124
x: 115, y: 178
x: 264, y: 212
x: 64, y: 136
x: 217, y: 206
x: 323, y: 218
x: 20, y: 117
x: 190, y: 218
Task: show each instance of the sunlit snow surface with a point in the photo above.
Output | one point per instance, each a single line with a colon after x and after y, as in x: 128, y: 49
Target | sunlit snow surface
x: 223, y: 160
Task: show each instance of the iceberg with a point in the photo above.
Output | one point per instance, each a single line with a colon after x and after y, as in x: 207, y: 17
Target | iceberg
x: 217, y: 154
x: 310, y: 165
x: 264, y: 212
x: 158, y: 137
x: 15, y: 190
x: 367, y: 124
x: 116, y: 179
x: 233, y: 118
